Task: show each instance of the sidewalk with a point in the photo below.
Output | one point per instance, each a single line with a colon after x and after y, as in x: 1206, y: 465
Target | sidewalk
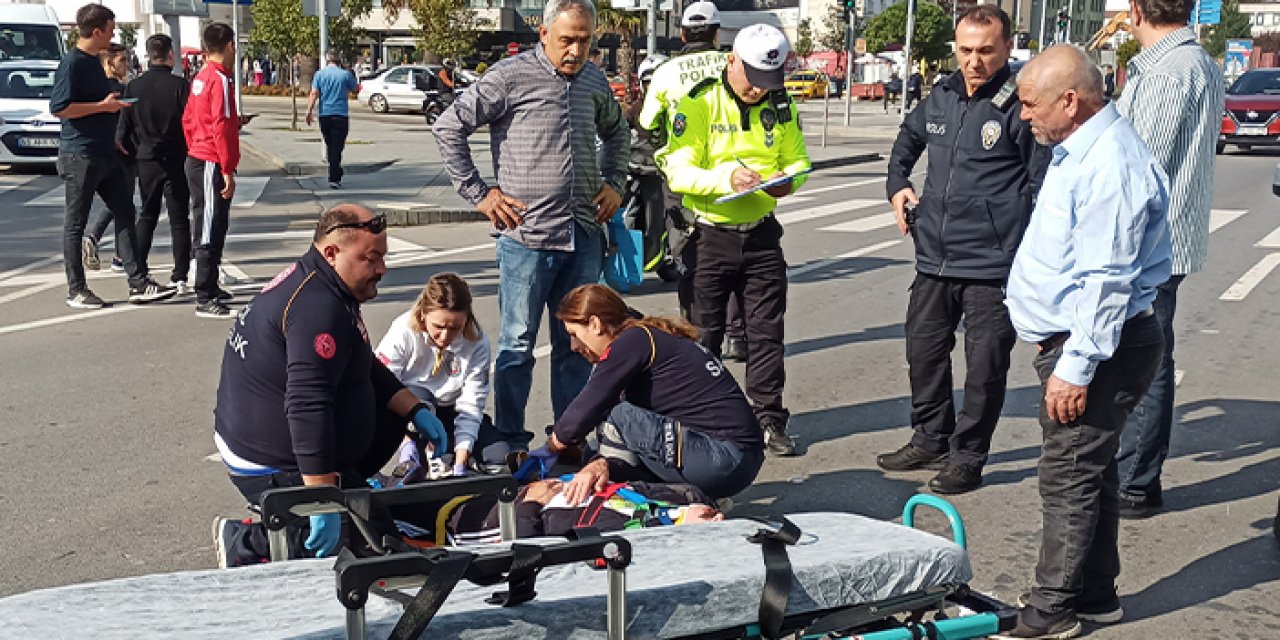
x: 393, y: 166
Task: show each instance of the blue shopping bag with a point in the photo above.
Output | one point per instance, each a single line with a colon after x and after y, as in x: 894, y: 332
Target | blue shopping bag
x: 624, y: 255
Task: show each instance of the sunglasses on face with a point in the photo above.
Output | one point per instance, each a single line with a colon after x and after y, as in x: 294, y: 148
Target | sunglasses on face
x: 375, y: 225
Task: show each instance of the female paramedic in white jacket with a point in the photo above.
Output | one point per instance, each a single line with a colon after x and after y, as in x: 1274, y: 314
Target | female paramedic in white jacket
x: 439, y: 352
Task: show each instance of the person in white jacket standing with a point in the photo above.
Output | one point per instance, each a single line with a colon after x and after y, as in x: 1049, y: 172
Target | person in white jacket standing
x: 439, y: 352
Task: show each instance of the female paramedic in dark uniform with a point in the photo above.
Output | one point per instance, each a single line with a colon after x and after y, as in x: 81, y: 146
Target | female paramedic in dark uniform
x: 665, y: 408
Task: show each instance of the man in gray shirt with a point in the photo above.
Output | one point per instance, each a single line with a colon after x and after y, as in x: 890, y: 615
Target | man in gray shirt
x: 1174, y: 99
x: 545, y: 109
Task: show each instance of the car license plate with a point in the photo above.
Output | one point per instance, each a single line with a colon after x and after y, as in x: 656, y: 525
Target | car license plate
x: 1253, y: 130
x: 38, y: 143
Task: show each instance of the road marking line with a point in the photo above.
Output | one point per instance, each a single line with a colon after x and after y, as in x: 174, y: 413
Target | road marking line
x: 836, y: 187
x: 55, y: 258
x: 856, y: 253
x: 862, y: 225
x: 825, y: 210
x: 428, y: 254
x: 1251, y: 278
x: 1219, y: 218
x: 1272, y: 241
x: 74, y: 317
x: 29, y: 291
x: 1178, y: 375
x: 248, y: 190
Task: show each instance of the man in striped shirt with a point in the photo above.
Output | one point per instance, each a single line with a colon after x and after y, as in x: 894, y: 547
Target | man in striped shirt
x: 1174, y: 98
x: 545, y: 109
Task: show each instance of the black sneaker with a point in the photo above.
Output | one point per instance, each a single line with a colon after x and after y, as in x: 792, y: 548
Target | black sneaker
x: 1065, y: 626
x: 85, y: 300
x: 213, y: 309
x: 150, y: 291
x: 223, y: 534
x: 776, y: 439
x: 1134, y: 507
x: 735, y: 350
x: 957, y: 478
x: 1106, y: 611
x: 910, y: 458
x: 89, y: 254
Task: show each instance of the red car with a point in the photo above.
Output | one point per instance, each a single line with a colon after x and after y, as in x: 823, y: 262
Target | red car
x: 1251, y: 118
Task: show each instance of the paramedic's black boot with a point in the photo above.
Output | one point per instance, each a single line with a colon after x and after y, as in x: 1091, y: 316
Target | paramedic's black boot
x: 735, y: 349
x: 910, y: 458
x: 1034, y: 624
x: 776, y: 439
x: 1105, y: 611
x: 957, y: 478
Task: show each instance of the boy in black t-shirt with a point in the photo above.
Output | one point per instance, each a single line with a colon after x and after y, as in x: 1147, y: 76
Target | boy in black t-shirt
x: 88, y: 161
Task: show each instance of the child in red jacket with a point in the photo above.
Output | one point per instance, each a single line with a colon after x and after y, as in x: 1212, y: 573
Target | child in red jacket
x: 211, y: 125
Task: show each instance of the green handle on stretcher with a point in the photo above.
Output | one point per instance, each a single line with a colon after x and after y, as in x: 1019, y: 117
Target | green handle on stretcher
x: 975, y: 626
x: 920, y: 499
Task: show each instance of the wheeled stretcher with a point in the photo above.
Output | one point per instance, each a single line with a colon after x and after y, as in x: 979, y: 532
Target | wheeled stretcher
x: 821, y: 575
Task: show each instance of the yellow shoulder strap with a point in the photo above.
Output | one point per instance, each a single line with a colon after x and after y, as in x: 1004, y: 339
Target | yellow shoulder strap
x: 653, y: 347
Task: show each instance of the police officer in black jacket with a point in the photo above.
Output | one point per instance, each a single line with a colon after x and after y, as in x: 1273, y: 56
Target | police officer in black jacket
x: 984, y: 170
x: 154, y: 128
x: 302, y: 398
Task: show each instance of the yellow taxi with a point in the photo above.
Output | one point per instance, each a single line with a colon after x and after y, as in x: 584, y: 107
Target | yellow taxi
x: 807, y: 84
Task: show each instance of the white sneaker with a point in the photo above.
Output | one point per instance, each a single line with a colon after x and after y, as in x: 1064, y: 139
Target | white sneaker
x: 226, y: 278
x: 180, y: 286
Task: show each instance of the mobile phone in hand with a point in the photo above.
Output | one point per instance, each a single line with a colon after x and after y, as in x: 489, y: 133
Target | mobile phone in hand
x: 127, y: 100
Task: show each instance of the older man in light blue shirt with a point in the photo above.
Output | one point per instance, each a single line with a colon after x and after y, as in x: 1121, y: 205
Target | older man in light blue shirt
x: 1081, y: 288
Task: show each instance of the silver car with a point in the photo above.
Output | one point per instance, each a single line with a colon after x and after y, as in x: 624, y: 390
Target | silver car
x: 396, y: 89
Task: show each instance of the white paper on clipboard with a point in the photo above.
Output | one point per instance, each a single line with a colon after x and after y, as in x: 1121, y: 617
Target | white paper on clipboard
x: 768, y: 184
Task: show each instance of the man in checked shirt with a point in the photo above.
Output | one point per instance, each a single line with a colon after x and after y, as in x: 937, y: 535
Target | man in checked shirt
x: 545, y: 109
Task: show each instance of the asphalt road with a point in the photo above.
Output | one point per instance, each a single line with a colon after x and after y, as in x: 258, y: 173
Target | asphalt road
x: 105, y: 416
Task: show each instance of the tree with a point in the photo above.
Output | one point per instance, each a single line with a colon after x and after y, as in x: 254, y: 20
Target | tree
x: 832, y: 38
x: 804, y: 40
x: 1233, y: 25
x: 280, y: 28
x: 626, y: 25
x: 1126, y: 52
x: 446, y: 28
x: 128, y: 35
x: 932, y: 33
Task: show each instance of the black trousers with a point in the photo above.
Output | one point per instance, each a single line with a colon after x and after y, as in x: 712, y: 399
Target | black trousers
x: 165, y: 182
x: 85, y: 175
x: 334, y: 131
x: 212, y: 217
x: 934, y: 311
x: 735, y: 326
x: 1079, y: 485
x: 250, y: 545
x: 749, y: 264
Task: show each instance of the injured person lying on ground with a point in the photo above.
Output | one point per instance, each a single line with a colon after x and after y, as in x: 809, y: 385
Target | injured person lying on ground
x: 542, y: 509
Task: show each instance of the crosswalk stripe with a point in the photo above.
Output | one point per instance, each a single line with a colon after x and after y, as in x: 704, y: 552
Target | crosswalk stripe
x: 248, y: 190
x: 862, y: 225
x: 1251, y: 278
x: 1272, y: 241
x: 814, y: 213
x: 1219, y: 218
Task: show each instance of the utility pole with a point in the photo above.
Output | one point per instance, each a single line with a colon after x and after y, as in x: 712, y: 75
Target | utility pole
x: 324, y: 29
x: 1044, y: 15
x: 906, y: 50
x: 651, y: 44
x: 235, y: 64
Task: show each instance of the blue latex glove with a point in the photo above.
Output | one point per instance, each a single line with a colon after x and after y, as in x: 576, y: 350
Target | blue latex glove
x: 545, y: 458
x: 431, y: 428
x: 460, y: 470
x: 326, y: 531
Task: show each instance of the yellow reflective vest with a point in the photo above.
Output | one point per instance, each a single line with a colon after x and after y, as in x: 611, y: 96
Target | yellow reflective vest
x: 673, y: 80
x: 713, y: 133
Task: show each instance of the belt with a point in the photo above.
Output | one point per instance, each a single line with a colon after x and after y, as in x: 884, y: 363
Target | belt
x: 1054, y: 341
x: 743, y: 228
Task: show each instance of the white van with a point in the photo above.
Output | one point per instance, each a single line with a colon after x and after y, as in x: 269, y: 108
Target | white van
x: 31, y: 44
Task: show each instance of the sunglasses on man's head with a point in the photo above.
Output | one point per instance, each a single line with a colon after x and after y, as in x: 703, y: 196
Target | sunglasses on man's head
x: 375, y: 225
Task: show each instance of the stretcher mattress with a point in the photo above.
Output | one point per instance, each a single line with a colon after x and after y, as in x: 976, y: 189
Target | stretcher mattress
x: 682, y: 581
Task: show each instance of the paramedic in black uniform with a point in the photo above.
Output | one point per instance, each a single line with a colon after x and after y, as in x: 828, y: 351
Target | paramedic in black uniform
x: 665, y: 407
x: 984, y: 170
x: 302, y: 399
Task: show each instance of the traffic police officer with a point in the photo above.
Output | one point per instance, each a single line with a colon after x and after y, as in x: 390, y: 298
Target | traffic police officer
x: 728, y: 135
x: 698, y: 60
x: 984, y: 171
x: 302, y: 399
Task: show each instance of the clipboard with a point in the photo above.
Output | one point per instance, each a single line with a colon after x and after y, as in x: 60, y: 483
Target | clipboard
x: 768, y: 184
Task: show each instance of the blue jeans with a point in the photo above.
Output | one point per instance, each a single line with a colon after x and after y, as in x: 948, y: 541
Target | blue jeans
x: 1144, y: 443
x: 529, y: 281
x: 671, y: 453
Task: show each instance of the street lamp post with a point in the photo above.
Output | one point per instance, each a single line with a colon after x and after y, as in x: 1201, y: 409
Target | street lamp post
x: 906, y: 70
